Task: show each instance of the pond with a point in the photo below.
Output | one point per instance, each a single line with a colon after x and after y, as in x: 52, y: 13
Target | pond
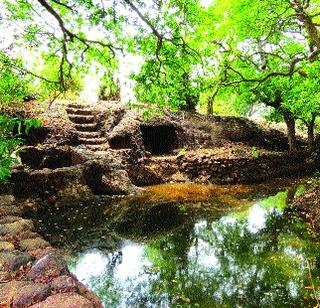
x: 249, y: 253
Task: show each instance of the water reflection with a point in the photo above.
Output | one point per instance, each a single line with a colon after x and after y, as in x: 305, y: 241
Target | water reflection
x: 254, y: 258
x: 116, y: 276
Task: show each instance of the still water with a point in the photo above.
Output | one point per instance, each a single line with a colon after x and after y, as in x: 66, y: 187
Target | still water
x: 255, y: 255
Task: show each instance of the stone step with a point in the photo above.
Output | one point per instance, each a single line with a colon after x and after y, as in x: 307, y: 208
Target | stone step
x: 93, y: 141
x: 82, y: 119
x: 89, y: 135
x: 86, y: 127
x: 78, y: 106
x: 95, y: 147
x: 76, y: 111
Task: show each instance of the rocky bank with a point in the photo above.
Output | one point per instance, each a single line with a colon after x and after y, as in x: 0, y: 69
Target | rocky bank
x: 32, y: 273
x: 107, y: 149
x: 307, y: 206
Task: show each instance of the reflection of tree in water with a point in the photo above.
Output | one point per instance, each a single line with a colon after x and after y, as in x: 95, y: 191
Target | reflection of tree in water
x: 253, y: 268
x: 237, y: 261
x: 228, y: 264
x: 103, y: 284
x: 169, y: 258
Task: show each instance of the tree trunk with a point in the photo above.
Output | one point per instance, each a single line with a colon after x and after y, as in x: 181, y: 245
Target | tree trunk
x: 191, y: 103
x: 210, y: 106
x: 310, y: 127
x: 211, y: 100
x: 291, y: 130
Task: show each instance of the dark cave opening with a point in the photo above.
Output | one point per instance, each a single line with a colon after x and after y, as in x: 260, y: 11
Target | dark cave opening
x: 120, y: 142
x: 159, y: 139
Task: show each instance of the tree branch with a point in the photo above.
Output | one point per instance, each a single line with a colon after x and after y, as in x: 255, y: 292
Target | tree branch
x: 63, y: 4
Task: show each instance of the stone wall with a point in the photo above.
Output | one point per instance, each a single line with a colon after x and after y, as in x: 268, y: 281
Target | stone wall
x: 207, y: 168
x: 245, y: 170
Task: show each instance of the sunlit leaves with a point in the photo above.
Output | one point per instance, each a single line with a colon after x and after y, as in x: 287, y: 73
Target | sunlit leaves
x: 13, y: 84
x: 8, y: 144
x: 11, y: 129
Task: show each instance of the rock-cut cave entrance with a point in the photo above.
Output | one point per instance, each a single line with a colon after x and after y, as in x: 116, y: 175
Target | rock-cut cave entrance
x: 159, y: 139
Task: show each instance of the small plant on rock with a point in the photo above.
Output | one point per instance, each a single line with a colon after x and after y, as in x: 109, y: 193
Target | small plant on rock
x: 182, y: 152
x: 255, y: 153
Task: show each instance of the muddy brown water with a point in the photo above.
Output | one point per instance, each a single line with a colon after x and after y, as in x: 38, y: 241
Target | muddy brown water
x: 183, y: 245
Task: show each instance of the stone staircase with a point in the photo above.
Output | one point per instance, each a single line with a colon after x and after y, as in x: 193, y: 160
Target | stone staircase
x: 86, y: 126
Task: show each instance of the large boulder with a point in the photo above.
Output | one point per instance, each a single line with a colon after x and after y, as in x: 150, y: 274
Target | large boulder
x: 47, y: 268
x: 106, y: 179
x: 30, y: 294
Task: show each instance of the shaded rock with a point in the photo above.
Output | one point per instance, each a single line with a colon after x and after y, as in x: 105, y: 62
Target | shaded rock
x: 93, y: 176
x: 47, y: 157
x: 142, y: 175
x: 63, y: 284
x: 121, y: 141
x: 159, y: 139
x: 28, y: 235
x: 32, y: 157
x: 77, y: 157
x: 33, y: 243
x: 56, y: 158
x: 104, y: 179
x: 92, y: 297
x: 44, y: 182
x: 40, y: 252
x: 37, y: 135
x: 65, y: 300
x: 13, y: 261
x: 307, y: 206
x: 47, y: 268
x: 117, y: 183
x: 30, y: 294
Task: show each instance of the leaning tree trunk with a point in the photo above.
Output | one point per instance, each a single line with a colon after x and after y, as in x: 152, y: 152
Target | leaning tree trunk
x: 291, y: 130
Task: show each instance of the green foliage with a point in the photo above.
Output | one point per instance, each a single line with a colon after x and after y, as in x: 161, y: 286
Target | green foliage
x: 182, y: 151
x: 31, y: 123
x: 300, y: 191
x: 13, y: 84
x: 8, y: 145
x: 183, y: 208
x: 10, y: 140
x: 255, y: 152
x: 109, y: 88
x: 279, y: 200
x: 172, y: 73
